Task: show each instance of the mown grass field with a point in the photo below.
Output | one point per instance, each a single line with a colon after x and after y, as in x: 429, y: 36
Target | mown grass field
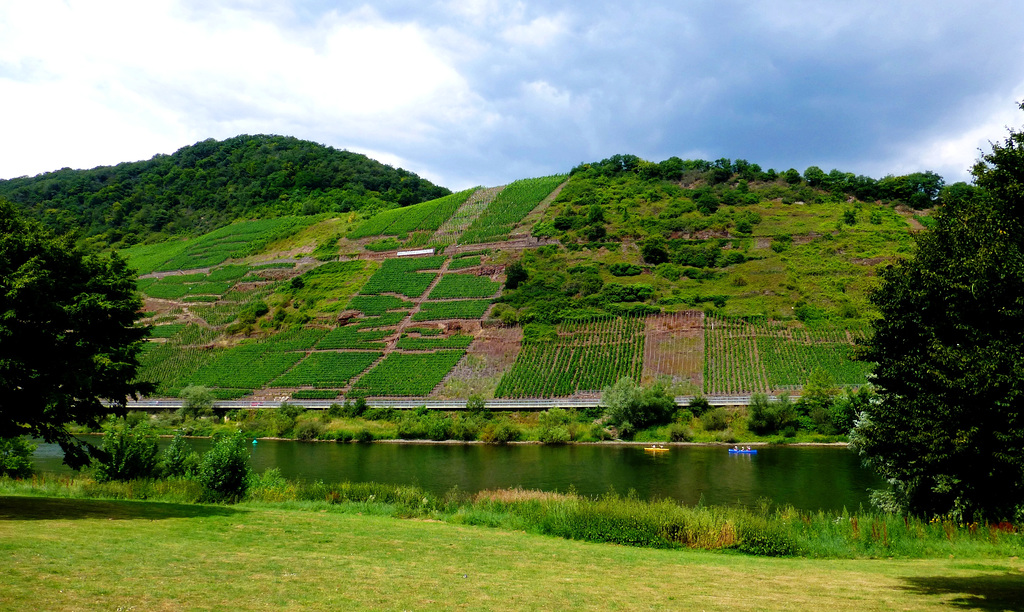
x: 91, y: 554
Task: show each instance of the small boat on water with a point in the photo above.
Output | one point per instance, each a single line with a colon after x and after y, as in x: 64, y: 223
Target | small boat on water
x: 655, y: 449
x: 743, y: 451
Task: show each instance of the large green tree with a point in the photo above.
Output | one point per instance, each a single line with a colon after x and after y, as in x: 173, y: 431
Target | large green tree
x: 947, y: 429
x: 68, y: 335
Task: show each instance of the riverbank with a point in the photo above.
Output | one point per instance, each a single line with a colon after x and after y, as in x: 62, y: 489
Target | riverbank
x: 149, y: 555
x: 767, y: 530
x: 552, y: 427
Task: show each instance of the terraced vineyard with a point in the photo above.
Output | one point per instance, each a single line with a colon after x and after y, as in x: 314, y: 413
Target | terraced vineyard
x: 426, y: 216
x: 464, y: 286
x: 233, y: 241
x: 403, y: 275
x: 743, y: 356
x: 407, y: 374
x: 510, y: 206
x: 459, y: 341
x: 195, y: 286
x: 375, y: 305
x: 248, y: 366
x: 711, y: 354
x: 461, y: 263
x: 457, y: 309
x: 674, y: 348
x: 584, y: 356
x: 327, y: 370
x: 352, y: 337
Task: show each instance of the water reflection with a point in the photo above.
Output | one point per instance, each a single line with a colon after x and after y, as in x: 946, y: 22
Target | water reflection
x: 806, y: 477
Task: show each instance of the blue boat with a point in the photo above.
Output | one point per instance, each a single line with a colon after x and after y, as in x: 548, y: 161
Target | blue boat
x: 743, y: 451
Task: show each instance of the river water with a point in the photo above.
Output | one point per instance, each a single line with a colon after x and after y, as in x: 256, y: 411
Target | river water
x: 810, y: 478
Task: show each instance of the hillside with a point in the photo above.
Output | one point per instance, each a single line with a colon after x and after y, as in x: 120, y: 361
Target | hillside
x: 716, y: 281
x: 210, y: 184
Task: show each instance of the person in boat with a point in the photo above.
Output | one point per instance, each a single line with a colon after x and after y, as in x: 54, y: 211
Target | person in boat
x: 735, y: 448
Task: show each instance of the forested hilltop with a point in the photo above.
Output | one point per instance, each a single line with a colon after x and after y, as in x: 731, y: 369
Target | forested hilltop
x: 210, y: 184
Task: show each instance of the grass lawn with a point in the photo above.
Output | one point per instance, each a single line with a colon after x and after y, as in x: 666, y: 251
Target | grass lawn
x: 87, y: 554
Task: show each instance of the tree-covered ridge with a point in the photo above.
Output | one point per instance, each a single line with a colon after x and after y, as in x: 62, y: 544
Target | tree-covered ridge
x: 208, y: 185
x: 918, y: 189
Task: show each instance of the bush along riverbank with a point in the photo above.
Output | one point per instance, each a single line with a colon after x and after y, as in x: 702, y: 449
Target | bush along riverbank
x: 625, y: 520
x: 632, y: 414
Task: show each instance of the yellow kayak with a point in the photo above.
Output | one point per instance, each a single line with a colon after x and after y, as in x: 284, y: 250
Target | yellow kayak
x: 655, y: 449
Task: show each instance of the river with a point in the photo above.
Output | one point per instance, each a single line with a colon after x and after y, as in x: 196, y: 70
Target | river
x: 809, y: 478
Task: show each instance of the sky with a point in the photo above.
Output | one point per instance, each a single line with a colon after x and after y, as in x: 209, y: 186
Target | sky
x: 484, y: 92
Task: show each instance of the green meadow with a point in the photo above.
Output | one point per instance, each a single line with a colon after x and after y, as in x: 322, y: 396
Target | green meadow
x: 84, y: 554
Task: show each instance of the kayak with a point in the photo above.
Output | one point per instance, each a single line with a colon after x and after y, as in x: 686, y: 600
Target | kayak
x: 743, y: 451
x: 655, y: 449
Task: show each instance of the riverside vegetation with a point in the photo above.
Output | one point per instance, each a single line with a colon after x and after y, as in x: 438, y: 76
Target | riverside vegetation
x: 628, y: 412
x: 611, y: 518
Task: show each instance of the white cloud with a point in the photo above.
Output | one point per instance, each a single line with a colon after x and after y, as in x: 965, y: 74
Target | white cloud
x: 543, y: 31
x: 952, y: 150
x: 108, y: 77
x: 472, y: 91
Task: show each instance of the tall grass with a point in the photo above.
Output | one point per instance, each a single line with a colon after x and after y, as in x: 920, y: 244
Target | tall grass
x: 611, y: 518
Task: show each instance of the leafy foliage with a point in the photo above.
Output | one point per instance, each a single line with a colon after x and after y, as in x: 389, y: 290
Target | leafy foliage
x: 67, y: 335
x: 948, y: 427
x: 628, y: 404
x: 224, y: 469
x: 197, y: 401
x: 129, y: 452
x: 16, y: 457
x: 767, y: 417
x: 179, y: 460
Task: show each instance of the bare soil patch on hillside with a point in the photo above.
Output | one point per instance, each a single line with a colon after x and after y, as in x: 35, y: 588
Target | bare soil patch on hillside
x: 490, y: 356
x: 674, y: 348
